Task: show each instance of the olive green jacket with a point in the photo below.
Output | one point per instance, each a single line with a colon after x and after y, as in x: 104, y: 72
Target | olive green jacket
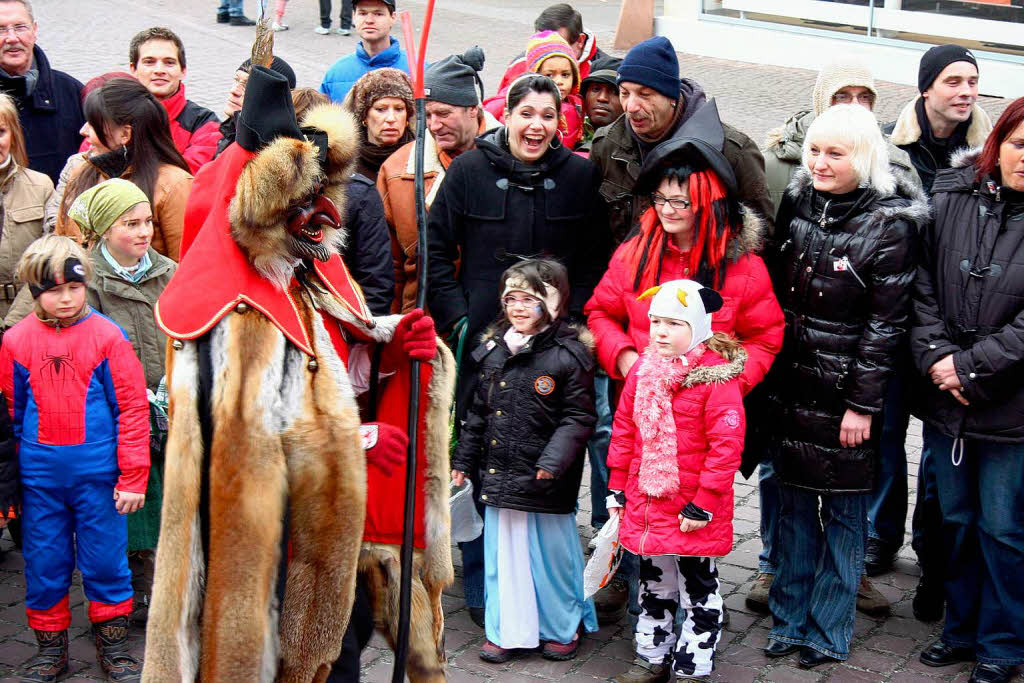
x: 130, y: 305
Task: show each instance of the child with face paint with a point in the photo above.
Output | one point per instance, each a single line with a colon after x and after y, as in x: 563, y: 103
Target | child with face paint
x: 675, y: 447
x: 523, y: 444
x: 77, y: 397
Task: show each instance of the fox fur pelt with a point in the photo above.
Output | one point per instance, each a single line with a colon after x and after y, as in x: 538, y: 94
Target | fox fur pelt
x: 283, y: 426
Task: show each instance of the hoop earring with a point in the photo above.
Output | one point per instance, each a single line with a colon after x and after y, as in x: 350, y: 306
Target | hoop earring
x: 558, y: 135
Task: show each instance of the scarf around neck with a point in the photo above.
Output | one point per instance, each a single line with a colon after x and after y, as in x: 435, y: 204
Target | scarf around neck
x: 658, y: 380
x: 133, y: 275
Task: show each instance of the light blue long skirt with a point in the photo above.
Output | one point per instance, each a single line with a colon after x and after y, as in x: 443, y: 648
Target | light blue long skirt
x: 533, y: 579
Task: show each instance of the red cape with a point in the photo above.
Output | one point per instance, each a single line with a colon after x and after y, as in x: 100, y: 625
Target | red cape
x: 214, y: 275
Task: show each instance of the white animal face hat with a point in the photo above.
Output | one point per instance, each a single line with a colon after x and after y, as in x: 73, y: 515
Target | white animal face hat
x: 687, y: 301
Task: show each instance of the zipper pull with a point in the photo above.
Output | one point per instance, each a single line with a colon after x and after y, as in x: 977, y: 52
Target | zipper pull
x: 824, y: 213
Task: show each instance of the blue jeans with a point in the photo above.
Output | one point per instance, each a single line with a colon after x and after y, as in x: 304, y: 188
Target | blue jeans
x: 768, y: 489
x: 926, y: 526
x: 814, y: 595
x: 887, y: 507
x: 597, y: 449
x: 983, y: 536
x: 473, y: 568
x: 230, y: 7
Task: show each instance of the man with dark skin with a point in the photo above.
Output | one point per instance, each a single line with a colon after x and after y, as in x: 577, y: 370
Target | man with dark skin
x: 601, y: 105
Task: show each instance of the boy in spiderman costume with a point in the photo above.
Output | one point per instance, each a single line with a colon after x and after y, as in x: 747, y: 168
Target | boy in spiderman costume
x: 77, y: 398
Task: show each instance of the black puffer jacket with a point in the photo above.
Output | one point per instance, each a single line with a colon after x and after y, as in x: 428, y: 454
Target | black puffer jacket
x: 842, y: 273
x: 531, y: 410
x: 969, y: 302
x: 367, y: 251
x: 491, y: 210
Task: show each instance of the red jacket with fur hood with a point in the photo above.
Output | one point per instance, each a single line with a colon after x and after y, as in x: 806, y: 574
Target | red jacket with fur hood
x: 751, y: 312
x: 708, y: 420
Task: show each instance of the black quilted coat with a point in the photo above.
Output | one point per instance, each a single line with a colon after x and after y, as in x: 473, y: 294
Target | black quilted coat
x: 533, y: 409
x: 842, y: 268
x: 969, y: 302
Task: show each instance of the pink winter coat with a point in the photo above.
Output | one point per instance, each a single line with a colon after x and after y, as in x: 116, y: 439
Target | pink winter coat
x: 709, y: 421
x: 750, y: 313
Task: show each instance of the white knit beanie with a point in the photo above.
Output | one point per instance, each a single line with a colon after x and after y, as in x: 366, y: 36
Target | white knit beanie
x: 838, y: 75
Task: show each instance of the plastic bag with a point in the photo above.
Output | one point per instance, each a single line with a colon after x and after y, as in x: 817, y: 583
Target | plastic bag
x: 605, y: 559
x: 467, y: 524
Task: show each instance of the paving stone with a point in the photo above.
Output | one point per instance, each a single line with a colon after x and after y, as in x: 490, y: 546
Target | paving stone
x: 787, y: 673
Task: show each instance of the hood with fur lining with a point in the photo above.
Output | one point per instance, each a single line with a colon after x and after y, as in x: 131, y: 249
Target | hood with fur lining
x: 917, y: 213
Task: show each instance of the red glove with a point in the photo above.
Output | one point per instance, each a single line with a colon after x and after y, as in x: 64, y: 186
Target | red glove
x: 386, y: 446
x: 415, y: 339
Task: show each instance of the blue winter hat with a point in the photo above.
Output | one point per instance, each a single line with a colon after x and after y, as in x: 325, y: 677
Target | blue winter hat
x: 652, y: 63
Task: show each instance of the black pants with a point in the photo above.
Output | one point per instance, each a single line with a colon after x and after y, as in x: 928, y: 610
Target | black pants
x: 345, y: 16
x: 357, y: 635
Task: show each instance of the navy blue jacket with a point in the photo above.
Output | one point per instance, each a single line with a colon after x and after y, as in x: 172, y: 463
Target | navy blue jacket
x: 367, y: 251
x: 50, y: 117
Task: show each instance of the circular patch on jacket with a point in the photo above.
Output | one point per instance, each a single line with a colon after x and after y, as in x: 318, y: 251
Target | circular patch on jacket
x: 731, y: 419
x: 544, y: 385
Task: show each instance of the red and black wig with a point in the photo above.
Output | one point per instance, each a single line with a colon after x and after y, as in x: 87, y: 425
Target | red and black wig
x: 988, y: 162
x: 718, y: 220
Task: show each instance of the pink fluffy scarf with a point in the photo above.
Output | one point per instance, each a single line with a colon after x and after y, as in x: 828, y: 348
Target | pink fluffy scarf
x: 658, y: 379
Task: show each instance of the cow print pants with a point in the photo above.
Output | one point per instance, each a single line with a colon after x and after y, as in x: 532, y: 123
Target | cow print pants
x: 668, y: 582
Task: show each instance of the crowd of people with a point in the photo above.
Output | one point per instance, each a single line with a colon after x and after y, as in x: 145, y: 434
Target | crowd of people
x: 626, y: 278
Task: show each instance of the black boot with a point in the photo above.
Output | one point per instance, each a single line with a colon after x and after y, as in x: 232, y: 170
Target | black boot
x: 51, y: 661
x: 112, y: 650
x: 223, y: 17
x: 241, y: 20
x: 929, y: 600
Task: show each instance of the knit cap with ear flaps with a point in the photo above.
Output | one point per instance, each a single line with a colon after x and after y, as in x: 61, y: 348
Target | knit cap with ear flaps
x: 546, y: 44
x: 550, y: 298
x: 836, y: 76
x: 687, y: 301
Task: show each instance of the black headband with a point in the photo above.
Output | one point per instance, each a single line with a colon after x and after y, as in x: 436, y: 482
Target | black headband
x: 73, y: 272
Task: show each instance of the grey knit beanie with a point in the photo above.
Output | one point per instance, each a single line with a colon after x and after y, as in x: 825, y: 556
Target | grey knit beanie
x: 838, y: 75
x: 455, y: 79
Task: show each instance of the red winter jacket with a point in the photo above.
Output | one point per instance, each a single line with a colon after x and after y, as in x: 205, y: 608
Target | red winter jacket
x: 751, y: 312
x: 195, y: 129
x: 709, y: 419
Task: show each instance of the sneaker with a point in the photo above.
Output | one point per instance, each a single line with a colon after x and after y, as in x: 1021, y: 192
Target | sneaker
x: 322, y: 30
x: 560, y: 652
x: 870, y: 601
x: 878, y: 558
x: 279, y: 27
x: 929, y: 600
x: 757, y: 598
x: 610, y: 601
x: 643, y: 671
x: 496, y: 654
x: 343, y: 31
x: 242, y: 20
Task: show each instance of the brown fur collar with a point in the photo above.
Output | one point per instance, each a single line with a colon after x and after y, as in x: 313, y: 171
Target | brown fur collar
x: 719, y: 373
x: 282, y: 173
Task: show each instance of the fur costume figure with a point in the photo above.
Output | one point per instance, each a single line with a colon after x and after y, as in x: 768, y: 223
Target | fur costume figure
x: 266, y: 478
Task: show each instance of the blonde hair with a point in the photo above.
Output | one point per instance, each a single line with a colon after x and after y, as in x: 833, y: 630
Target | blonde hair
x: 9, y: 117
x: 856, y: 127
x: 47, y: 256
x: 724, y: 345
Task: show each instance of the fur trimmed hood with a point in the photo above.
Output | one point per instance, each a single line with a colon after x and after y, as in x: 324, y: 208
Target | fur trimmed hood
x: 907, y: 130
x: 962, y: 158
x: 583, y: 334
x: 284, y: 172
x: 718, y: 373
x: 917, y: 213
x: 750, y: 240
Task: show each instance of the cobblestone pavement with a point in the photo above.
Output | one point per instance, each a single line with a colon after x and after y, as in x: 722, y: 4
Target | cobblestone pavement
x: 89, y: 38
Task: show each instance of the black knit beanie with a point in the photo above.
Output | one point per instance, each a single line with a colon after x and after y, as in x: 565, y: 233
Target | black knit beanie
x: 652, y: 63
x: 937, y: 59
x: 455, y: 79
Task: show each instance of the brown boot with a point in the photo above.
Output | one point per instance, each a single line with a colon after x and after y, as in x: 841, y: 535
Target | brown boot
x: 50, y: 663
x: 643, y: 671
x: 112, y: 650
x: 870, y: 601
